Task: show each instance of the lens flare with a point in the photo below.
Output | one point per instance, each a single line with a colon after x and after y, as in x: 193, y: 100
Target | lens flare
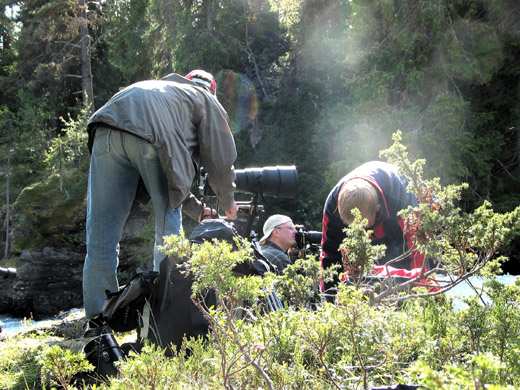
x: 240, y: 100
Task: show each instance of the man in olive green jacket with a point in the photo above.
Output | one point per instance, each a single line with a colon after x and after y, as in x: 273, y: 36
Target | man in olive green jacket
x: 152, y: 135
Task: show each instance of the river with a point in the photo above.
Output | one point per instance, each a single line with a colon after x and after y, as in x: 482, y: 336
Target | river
x: 465, y: 290
x: 14, y: 325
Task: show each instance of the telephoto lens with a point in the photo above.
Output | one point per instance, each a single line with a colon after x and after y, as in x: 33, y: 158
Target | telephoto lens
x: 278, y: 181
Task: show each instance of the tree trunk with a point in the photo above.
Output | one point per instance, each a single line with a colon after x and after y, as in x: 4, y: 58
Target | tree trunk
x: 5, y: 33
x: 86, y: 71
x: 209, y: 15
x: 517, y: 151
x: 7, y: 201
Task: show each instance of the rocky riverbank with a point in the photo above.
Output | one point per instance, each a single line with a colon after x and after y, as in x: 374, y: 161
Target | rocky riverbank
x: 49, y: 280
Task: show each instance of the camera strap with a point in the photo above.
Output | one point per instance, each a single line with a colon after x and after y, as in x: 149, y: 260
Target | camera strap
x: 143, y: 333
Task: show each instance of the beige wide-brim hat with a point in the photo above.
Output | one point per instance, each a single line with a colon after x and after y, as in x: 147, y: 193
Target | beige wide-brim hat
x: 272, y: 222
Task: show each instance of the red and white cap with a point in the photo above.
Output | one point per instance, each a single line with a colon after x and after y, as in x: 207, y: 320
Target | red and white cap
x: 204, y: 78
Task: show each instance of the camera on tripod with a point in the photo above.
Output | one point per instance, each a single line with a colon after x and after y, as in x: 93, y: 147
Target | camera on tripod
x: 276, y: 181
x: 307, y: 242
x: 306, y: 239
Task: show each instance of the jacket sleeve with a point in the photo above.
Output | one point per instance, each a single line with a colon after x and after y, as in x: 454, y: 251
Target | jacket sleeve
x: 397, y: 198
x: 192, y: 207
x: 332, y: 233
x: 217, y: 151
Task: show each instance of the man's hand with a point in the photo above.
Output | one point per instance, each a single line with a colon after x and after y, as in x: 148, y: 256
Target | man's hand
x: 232, y: 212
x: 207, y: 213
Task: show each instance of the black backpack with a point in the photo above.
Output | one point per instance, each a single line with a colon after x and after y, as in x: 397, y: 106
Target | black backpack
x: 122, y: 310
x: 174, y: 315
x: 221, y: 230
x: 159, y: 305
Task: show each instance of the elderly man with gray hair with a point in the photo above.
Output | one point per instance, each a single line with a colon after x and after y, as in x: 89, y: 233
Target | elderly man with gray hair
x: 279, y: 236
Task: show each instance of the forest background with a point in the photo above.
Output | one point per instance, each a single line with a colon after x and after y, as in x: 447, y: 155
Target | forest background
x: 321, y: 84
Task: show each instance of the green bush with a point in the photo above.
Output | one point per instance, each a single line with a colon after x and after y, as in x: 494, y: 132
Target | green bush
x: 371, y: 336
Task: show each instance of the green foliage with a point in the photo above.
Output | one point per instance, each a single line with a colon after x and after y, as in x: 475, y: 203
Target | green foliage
x: 48, y: 53
x: 353, y: 343
x: 148, y: 370
x: 480, y: 375
x: 59, y: 366
x: 26, y: 133
x: 358, y: 253
x: 440, y: 340
x: 126, y: 28
x: 47, y: 214
x: 503, y: 324
x: 19, y: 369
x: 299, y: 284
x: 70, y: 148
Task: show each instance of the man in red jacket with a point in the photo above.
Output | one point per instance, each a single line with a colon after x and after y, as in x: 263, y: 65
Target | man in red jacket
x: 378, y: 191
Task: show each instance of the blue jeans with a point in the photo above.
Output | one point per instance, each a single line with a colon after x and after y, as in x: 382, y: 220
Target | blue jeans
x: 118, y: 160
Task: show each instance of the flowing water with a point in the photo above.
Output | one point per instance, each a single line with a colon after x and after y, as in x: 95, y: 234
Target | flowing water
x: 14, y: 325
x: 465, y: 289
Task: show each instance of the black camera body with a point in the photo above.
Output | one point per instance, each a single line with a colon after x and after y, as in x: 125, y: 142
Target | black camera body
x: 307, y: 239
x: 102, y: 352
x: 247, y: 215
x: 307, y: 243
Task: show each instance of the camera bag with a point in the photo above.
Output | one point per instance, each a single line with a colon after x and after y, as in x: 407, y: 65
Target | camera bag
x: 219, y: 229
x: 173, y: 314
x: 123, y: 309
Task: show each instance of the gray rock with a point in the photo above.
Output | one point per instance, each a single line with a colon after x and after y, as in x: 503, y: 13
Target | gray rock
x: 49, y: 280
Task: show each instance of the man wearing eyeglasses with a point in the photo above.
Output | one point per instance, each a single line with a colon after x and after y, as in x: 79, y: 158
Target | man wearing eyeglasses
x: 279, y: 236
